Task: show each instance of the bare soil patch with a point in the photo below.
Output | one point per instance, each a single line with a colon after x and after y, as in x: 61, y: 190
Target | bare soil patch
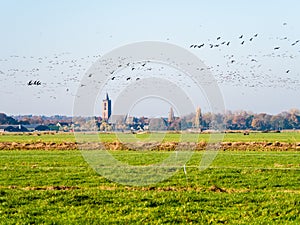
x: 154, y: 146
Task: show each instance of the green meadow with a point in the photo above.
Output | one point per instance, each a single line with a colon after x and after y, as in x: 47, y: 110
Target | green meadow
x: 289, y: 137
x: 59, y: 187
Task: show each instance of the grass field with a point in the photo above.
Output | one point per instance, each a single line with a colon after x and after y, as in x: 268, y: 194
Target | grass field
x: 289, y: 137
x: 255, y: 188
x: 59, y: 187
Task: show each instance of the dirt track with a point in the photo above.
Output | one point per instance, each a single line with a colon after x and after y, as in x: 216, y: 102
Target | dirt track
x: 166, y: 146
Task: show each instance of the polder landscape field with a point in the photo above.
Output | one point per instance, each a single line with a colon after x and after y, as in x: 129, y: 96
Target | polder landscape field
x: 254, y: 179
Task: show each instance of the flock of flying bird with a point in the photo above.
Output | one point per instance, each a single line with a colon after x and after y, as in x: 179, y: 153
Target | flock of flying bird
x: 252, y: 70
x: 227, y: 43
x: 63, y: 72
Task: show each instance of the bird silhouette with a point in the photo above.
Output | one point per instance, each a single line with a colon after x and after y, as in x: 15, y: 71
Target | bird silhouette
x: 295, y: 42
x: 35, y: 83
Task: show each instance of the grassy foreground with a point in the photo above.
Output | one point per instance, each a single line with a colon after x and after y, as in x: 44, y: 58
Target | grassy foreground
x: 288, y: 137
x: 59, y: 187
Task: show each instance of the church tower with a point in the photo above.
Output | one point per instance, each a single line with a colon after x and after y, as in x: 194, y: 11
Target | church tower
x: 106, y: 108
x: 171, y: 117
x: 198, y: 118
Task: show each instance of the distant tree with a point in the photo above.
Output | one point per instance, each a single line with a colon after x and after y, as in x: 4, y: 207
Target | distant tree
x: 4, y: 120
x: 256, y: 124
x: 175, y: 125
x: 183, y: 124
x: 294, y: 118
x: 261, y: 121
x: 105, y: 127
x: 158, y: 124
x: 42, y: 128
x: 206, y: 120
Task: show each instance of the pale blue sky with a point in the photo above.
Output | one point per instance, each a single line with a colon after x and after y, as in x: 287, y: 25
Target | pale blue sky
x: 74, y: 30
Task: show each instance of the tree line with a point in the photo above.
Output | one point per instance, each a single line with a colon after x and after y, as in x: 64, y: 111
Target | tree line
x: 238, y: 120
x: 243, y: 120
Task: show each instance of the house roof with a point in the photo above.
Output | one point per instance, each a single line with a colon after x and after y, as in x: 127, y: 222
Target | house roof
x: 63, y: 124
x: 8, y: 125
x: 33, y: 126
x: 14, y: 128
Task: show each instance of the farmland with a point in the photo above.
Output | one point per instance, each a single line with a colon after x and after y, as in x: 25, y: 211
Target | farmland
x: 289, y: 137
x: 239, y: 187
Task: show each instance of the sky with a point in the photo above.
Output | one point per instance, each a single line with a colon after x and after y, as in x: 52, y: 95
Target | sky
x: 56, y: 42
